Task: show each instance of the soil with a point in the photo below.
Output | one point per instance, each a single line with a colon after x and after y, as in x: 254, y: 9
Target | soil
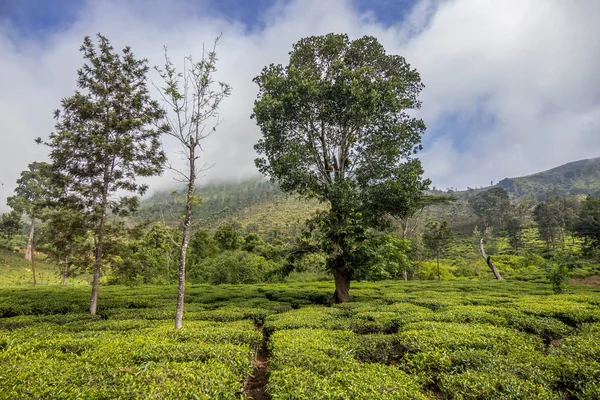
x: 254, y: 387
x: 593, y: 280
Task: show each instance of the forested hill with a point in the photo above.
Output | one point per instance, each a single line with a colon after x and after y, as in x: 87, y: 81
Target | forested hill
x: 578, y: 177
x: 259, y: 205
x: 255, y: 205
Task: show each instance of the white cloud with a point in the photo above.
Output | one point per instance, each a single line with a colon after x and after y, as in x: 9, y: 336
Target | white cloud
x: 534, y: 63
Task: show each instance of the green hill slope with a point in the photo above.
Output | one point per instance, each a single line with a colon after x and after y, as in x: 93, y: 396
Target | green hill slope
x: 579, y: 177
x: 255, y: 205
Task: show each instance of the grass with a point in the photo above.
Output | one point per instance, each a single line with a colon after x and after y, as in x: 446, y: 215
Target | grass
x: 14, y: 270
x: 395, y: 340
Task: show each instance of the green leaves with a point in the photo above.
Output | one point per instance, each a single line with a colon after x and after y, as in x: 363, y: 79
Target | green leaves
x: 105, y: 134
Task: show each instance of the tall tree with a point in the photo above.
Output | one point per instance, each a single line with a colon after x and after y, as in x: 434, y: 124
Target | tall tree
x: 107, y: 136
x: 31, y: 197
x: 335, y: 126
x: 193, y: 97
x: 437, y: 238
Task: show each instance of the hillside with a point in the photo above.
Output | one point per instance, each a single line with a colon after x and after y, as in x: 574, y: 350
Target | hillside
x: 578, y: 177
x: 254, y: 205
x: 260, y: 206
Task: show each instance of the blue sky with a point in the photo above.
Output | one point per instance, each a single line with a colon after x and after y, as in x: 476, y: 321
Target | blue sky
x: 34, y: 18
x: 511, y: 86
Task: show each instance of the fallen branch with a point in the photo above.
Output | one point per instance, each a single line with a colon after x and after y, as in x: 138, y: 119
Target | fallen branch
x: 489, y: 262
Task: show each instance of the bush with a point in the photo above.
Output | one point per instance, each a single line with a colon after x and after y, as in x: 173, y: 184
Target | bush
x: 232, y: 267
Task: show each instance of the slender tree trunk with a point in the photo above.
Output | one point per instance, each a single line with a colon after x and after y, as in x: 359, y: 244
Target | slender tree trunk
x: 99, y: 255
x: 29, y: 250
x: 63, y: 275
x: 33, y: 264
x: 184, y: 242
x: 437, y: 258
x: 404, y: 275
x: 489, y: 262
x: 342, y: 286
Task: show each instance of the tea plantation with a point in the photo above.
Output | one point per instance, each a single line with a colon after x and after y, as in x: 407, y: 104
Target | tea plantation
x: 395, y: 340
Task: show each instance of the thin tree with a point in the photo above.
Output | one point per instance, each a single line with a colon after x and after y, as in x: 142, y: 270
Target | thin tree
x: 437, y: 238
x: 107, y: 136
x: 31, y: 197
x: 193, y: 97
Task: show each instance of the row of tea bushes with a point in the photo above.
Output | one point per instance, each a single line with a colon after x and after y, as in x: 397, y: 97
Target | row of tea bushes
x: 94, y: 358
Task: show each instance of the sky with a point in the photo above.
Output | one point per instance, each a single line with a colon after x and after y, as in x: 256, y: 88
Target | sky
x: 511, y: 87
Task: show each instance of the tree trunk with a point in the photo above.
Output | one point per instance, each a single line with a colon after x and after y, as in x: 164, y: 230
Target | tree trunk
x: 438, y: 265
x: 489, y: 262
x: 404, y: 275
x: 98, y: 261
x: 63, y: 275
x: 29, y: 250
x: 342, y: 286
x: 33, y: 264
x: 184, y: 243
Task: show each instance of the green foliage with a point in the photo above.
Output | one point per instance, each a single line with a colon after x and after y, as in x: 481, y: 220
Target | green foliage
x: 317, y: 364
x: 202, y: 246
x: 491, y: 206
x: 10, y: 225
x: 227, y: 238
x: 151, y: 258
x: 232, y: 266
x: 437, y: 238
x: 386, y: 258
x: 105, y: 135
x: 33, y: 191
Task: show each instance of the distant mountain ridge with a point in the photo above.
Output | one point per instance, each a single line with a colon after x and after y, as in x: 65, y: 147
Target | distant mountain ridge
x: 577, y: 177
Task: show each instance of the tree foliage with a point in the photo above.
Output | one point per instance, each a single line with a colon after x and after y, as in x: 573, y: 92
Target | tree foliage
x: 336, y: 126
x: 491, y: 205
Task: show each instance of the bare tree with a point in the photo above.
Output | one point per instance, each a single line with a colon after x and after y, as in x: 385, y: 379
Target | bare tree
x: 193, y: 99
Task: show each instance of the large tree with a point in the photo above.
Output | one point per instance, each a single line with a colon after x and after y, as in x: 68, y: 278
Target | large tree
x: 193, y: 97
x: 336, y: 126
x: 31, y: 197
x: 106, y: 138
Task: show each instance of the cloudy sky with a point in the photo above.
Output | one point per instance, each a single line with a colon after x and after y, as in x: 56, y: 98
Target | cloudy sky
x: 512, y: 86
